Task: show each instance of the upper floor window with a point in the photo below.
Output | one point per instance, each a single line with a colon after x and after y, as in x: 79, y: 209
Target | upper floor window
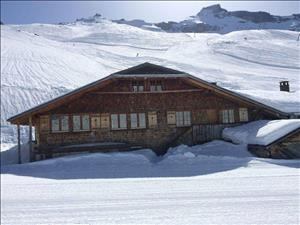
x: 227, y: 116
x: 156, y: 85
x: 81, y: 122
x: 60, y: 123
x: 138, y: 86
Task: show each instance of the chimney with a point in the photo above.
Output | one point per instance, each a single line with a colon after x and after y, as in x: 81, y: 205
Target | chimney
x: 284, y: 86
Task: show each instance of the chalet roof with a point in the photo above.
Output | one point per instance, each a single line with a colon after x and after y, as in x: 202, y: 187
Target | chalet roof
x: 142, y: 70
x: 148, y: 68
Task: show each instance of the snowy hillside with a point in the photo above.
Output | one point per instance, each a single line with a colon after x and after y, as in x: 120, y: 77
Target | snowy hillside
x: 40, y: 61
x: 215, y: 183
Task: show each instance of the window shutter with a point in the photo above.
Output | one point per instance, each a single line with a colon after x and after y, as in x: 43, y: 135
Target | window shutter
x: 243, y: 114
x: 142, y: 120
x: 187, y: 117
x: 114, y: 121
x: 65, y: 123
x: 171, y: 117
x: 123, y: 121
x: 85, y: 122
x: 55, y: 123
x: 231, y: 115
x: 104, y: 120
x: 152, y: 119
x: 212, y: 116
x: 133, y: 120
x: 95, y: 121
x: 44, y: 123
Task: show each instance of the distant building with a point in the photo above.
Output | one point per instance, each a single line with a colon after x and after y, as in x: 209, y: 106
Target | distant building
x: 146, y: 106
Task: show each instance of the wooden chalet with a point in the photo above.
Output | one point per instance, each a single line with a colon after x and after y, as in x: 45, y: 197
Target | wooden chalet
x: 147, y: 106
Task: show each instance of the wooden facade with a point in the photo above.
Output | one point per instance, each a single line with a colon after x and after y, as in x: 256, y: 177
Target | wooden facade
x: 147, y: 105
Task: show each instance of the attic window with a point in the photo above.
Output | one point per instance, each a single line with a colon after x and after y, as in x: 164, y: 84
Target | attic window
x: 138, y: 86
x: 155, y: 85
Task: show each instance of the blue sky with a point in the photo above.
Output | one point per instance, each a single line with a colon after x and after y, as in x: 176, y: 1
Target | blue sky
x: 20, y: 12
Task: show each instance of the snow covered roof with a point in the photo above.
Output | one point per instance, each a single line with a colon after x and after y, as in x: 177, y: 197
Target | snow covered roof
x: 261, y: 132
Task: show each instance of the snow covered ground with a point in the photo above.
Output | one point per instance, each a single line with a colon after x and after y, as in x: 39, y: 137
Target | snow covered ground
x: 215, y: 183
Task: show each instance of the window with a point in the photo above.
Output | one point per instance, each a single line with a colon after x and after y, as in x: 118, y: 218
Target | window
x: 118, y: 121
x: 152, y: 119
x: 155, y: 85
x: 60, y: 123
x: 183, y: 118
x: 243, y: 114
x: 138, y: 86
x: 81, y: 122
x: 137, y: 120
x: 227, y: 116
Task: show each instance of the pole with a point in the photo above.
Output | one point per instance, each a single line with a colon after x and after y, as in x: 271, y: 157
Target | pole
x: 19, y: 145
x: 30, y: 139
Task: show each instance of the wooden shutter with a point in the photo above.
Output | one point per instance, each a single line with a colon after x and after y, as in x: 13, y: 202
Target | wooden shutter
x: 243, y: 114
x: 171, y: 117
x: 152, y: 119
x: 95, y: 121
x: 212, y: 116
x: 44, y: 123
x: 104, y: 120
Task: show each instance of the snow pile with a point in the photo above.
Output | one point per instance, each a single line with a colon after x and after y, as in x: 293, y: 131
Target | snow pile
x: 262, y: 132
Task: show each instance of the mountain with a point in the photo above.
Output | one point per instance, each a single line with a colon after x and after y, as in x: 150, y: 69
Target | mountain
x: 218, y: 20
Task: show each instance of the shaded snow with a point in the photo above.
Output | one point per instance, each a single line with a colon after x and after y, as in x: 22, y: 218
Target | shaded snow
x: 215, y: 183
x: 261, y: 132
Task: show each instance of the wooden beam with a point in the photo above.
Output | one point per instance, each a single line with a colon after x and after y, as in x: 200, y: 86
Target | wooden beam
x: 30, y: 139
x: 149, y: 92
x: 19, y: 145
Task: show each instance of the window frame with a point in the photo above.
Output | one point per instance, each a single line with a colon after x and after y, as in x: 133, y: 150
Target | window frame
x: 81, y: 122
x: 59, y: 118
x: 138, y: 117
x: 227, y: 116
x: 118, y: 117
x: 183, y: 118
x: 138, y: 85
x: 155, y: 84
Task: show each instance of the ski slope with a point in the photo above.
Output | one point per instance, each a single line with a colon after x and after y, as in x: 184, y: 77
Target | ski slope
x: 41, y: 61
x: 215, y: 183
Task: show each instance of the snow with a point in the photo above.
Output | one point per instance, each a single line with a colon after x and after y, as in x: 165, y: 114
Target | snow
x: 261, y: 132
x: 215, y: 183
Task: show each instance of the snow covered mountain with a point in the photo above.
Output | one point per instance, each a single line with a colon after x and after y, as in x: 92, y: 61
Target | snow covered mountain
x: 218, y: 20
x: 41, y: 61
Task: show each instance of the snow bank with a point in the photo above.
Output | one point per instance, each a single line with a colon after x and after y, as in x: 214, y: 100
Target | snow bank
x: 262, y: 132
